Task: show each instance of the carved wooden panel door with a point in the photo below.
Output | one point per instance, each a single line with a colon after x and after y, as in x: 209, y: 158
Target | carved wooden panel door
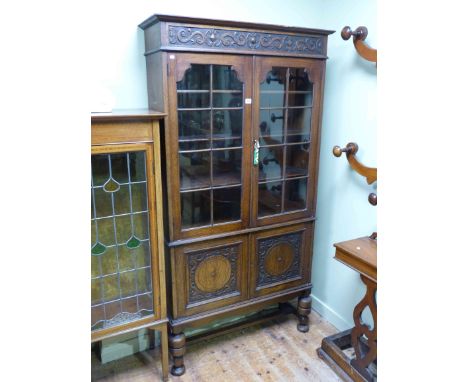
x: 209, y: 143
x: 280, y: 259
x: 211, y: 275
x: 286, y: 117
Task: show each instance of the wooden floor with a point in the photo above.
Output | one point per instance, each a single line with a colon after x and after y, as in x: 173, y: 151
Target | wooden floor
x: 275, y: 351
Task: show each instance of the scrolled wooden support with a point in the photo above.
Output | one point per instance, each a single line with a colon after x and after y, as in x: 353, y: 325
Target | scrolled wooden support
x: 370, y: 173
x: 359, y: 35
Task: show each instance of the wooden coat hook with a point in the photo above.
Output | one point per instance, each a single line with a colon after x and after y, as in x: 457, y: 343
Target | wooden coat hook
x: 370, y: 173
x: 359, y: 35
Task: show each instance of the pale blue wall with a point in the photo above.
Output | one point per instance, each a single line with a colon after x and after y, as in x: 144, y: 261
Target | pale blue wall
x: 350, y: 110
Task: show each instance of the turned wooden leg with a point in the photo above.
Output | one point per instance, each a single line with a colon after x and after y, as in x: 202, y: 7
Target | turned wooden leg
x: 177, y: 350
x: 304, y: 304
x: 365, y: 355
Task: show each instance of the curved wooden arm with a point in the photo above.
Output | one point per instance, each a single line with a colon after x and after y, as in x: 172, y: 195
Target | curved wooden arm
x: 359, y: 35
x: 370, y: 173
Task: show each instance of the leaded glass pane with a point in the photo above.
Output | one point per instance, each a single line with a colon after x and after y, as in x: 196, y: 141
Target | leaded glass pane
x: 226, y: 204
x: 295, y: 194
x: 225, y: 78
x: 286, y: 105
x: 269, y: 198
x: 210, y: 102
x: 120, y: 247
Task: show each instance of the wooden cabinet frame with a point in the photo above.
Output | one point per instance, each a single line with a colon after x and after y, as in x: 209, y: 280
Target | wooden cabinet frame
x: 128, y: 132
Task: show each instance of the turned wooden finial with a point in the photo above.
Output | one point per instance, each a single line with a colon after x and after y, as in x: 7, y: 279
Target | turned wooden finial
x: 359, y: 35
x: 350, y: 149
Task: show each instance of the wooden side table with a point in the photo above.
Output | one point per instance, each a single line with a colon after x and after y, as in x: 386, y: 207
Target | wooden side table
x: 360, y: 255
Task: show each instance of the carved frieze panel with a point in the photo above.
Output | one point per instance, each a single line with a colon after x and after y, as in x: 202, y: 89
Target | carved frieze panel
x: 213, y: 273
x: 217, y: 38
x: 279, y: 258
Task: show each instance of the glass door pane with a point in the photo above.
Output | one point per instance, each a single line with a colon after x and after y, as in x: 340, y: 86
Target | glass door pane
x: 210, y: 117
x: 284, y: 136
x: 121, y: 289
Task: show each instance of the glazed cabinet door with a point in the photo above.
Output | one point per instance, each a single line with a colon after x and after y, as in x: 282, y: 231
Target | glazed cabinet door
x: 208, y: 143
x: 280, y: 259
x: 209, y: 275
x: 124, y: 265
x: 286, y: 118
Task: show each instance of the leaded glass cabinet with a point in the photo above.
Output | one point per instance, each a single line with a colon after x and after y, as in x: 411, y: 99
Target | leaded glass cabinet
x: 241, y: 143
x: 127, y: 251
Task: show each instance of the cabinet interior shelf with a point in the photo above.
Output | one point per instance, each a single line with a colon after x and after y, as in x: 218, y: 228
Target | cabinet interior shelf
x: 203, y: 182
x: 205, y: 139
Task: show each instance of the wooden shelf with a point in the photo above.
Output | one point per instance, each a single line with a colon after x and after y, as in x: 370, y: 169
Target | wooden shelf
x: 200, y: 183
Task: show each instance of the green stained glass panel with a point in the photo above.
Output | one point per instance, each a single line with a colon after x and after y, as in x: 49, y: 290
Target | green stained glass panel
x: 127, y: 283
x: 94, y: 266
x: 109, y: 261
x: 95, y: 292
x: 98, y: 249
x: 103, y: 203
x: 133, y: 242
x: 139, y: 198
x: 137, y: 166
x: 106, y: 231
x: 122, y: 200
x: 140, y: 222
x: 142, y: 255
x: 126, y: 258
x: 123, y: 228
x: 100, y: 169
x: 121, y: 252
x: 144, y: 280
x: 111, y: 287
x: 120, y: 167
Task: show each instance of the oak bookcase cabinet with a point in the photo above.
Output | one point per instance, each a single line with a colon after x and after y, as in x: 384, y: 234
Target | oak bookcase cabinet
x: 241, y: 144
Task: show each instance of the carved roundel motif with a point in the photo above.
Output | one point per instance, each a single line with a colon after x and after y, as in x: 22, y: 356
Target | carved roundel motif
x: 279, y: 259
x: 212, y: 274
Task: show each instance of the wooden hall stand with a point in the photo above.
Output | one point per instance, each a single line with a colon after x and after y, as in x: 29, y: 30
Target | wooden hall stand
x: 360, y: 255
x: 128, y: 285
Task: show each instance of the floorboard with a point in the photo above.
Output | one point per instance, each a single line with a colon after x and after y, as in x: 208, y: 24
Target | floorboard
x: 273, y: 351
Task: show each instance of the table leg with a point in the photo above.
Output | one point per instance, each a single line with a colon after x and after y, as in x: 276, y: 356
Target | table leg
x: 164, y: 353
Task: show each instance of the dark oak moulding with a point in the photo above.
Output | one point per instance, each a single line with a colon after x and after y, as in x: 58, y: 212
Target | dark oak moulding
x: 242, y: 105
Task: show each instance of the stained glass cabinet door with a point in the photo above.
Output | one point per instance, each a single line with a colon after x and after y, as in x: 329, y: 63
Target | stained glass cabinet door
x: 123, y: 241
x: 287, y: 102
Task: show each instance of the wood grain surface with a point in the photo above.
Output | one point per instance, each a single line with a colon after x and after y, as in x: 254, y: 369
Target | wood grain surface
x: 274, y: 351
